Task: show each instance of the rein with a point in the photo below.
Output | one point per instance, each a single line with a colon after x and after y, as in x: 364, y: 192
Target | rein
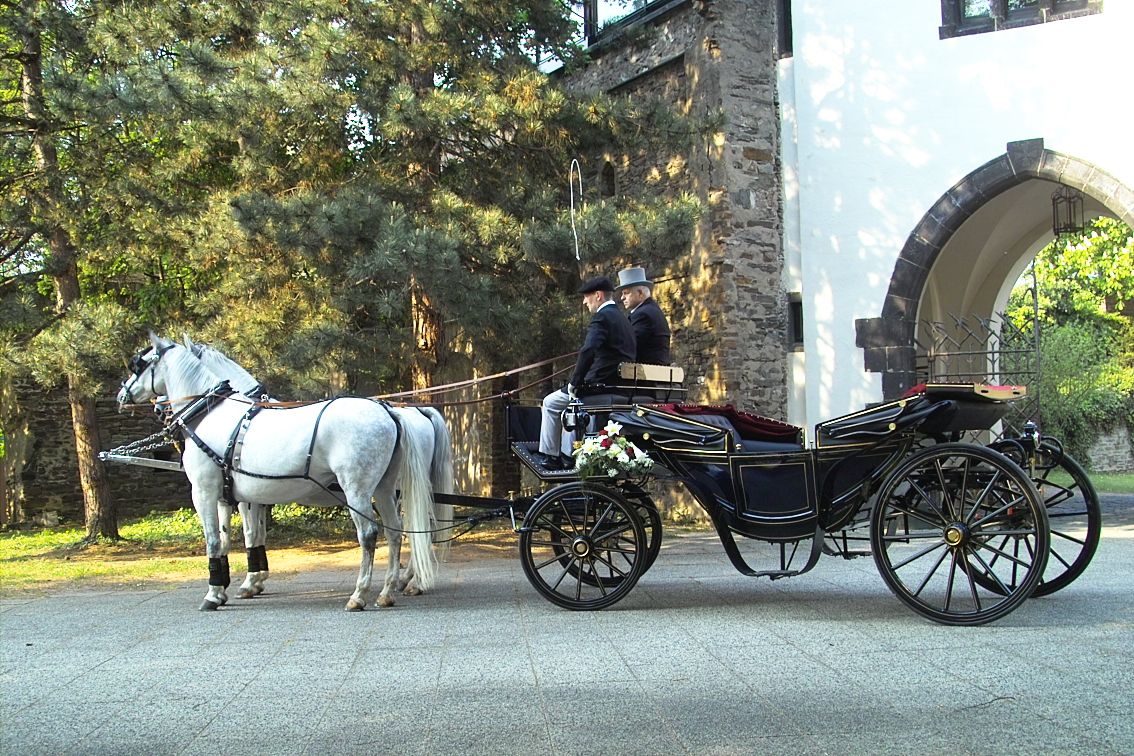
x: 444, y: 389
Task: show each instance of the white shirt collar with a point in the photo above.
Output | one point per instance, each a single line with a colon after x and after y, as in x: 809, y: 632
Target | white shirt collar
x: 606, y: 304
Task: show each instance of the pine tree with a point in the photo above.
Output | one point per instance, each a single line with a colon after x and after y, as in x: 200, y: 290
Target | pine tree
x: 349, y: 195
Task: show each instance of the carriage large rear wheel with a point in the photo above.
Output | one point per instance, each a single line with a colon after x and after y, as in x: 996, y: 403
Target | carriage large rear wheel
x: 953, y: 519
x: 583, y: 546
x: 1073, y: 510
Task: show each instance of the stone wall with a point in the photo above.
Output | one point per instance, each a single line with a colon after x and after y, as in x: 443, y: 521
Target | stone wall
x: 49, y: 474
x: 725, y: 298
x: 1111, y: 452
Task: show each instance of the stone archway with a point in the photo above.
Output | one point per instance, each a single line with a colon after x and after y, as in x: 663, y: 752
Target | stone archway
x: 888, y: 341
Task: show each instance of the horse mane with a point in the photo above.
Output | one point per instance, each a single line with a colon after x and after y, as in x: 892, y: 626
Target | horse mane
x: 223, y: 365
x: 192, y: 370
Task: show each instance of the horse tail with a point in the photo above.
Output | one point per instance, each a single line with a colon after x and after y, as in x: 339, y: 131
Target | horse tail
x: 417, y: 503
x: 441, y: 474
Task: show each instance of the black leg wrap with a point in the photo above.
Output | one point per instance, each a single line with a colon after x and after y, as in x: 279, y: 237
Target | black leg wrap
x: 218, y: 571
x: 257, y: 559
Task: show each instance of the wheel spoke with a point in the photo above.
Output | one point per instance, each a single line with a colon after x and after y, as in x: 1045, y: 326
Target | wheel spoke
x: 911, y: 537
x: 933, y: 571
x: 599, y: 521
x: 1066, y: 515
x: 570, y: 519
x: 1058, y: 556
x: 979, y: 499
x: 563, y: 574
x: 949, y: 583
x: 988, y: 571
x: 919, y: 555
x: 928, y: 500
x: 618, y: 531
x: 946, y: 500
x: 1011, y: 558
x: 609, y: 564
x: 968, y: 570
x: 942, y: 522
x: 1016, y: 502
x: 1062, y: 494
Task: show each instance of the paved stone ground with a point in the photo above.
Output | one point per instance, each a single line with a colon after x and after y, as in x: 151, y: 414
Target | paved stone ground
x: 696, y: 660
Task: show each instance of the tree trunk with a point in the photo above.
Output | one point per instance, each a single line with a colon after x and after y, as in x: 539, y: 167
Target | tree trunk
x: 63, y: 267
x: 102, y: 519
x: 426, y: 321
x: 426, y: 337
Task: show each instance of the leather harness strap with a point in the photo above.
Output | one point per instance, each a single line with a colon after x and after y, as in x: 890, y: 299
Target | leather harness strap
x: 229, y: 463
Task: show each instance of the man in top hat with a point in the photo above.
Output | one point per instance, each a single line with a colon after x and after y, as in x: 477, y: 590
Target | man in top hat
x: 609, y: 342
x: 651, y: 329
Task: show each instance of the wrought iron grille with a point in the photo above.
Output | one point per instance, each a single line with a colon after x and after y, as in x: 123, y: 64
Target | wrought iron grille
x: 992, y: 350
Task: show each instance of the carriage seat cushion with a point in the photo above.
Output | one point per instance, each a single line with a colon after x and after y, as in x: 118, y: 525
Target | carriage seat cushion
x: 747, y: 444
x: 746, y: 426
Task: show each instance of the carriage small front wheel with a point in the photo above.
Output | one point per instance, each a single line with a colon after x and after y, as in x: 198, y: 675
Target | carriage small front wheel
x: 953, y: 519
x: 583, y: 546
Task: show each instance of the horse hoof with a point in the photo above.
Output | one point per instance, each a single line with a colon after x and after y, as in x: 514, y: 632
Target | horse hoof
x: 412, y: 590
x: 385, y: 601
x: 208, y: 606
x: 246, y: 593
x: 355, y: 606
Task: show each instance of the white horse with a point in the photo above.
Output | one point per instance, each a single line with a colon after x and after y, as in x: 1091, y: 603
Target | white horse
x: 424, y: 426
x: 300, y: 454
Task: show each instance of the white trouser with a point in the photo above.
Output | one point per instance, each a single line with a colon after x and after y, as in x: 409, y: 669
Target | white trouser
x: 551, y: 437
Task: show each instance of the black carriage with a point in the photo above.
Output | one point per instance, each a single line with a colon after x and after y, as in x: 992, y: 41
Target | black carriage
x: 962, y: 533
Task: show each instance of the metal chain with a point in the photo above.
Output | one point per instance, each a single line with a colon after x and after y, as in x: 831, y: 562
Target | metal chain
x: 149, y: 443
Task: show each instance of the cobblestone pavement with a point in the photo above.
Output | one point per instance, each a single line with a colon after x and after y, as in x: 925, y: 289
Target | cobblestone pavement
x: 696, y: 660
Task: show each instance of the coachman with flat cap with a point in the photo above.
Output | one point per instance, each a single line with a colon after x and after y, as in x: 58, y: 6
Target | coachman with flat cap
x: 609, y: 343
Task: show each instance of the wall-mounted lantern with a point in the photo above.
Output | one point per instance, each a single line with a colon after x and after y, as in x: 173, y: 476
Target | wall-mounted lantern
x: 1067, y: 211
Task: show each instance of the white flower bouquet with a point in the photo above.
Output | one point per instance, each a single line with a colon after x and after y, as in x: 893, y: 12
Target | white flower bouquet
x: 610, y: 453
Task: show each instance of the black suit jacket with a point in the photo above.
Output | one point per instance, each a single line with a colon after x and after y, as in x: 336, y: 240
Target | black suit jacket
x: 609, y: 342
x: 651, y: 333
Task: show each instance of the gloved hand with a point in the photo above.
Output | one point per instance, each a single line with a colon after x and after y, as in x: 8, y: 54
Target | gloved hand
x: 571, y: 391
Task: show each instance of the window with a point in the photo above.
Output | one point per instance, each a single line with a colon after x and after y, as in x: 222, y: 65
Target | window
x: 602, y: 16
x: 962, y: 17
x: 783, y: 28
x: 795, y: 321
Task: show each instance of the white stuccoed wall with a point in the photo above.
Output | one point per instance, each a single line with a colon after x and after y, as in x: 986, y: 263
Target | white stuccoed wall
x: 880, y: 117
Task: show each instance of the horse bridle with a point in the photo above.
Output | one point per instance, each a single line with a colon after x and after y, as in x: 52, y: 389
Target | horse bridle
x: 138, y: 365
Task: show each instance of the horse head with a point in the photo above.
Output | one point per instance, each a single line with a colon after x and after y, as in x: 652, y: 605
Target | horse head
x: 145, y: 381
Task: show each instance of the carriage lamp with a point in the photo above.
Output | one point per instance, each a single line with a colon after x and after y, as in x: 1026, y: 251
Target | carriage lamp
x: 1067, y: 211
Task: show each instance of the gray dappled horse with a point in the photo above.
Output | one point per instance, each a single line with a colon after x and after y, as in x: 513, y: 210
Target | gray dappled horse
x: 424, y: 425
x: 297, y: 454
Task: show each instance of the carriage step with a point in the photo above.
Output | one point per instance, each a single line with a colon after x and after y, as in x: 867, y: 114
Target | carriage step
x: 525, y: 450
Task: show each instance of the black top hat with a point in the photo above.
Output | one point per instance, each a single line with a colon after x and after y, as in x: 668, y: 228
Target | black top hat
x: 602, y: 283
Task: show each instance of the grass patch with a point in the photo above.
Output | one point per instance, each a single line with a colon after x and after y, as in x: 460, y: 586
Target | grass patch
x: 160, y: 547
x: 1113, y: 482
